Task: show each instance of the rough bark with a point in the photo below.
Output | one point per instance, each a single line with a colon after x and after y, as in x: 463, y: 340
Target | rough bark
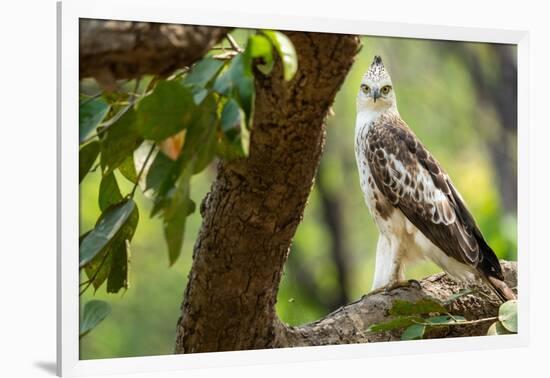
x: 112, y: 50
x: 255, y: 205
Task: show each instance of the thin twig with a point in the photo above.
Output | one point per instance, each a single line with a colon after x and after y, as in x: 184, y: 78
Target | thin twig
x: 228, y: 55
x: 234, y: 45
x: 463, y: 322
x: 178, y: 73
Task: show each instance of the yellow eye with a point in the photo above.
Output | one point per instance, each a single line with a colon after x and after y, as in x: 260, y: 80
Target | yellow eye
x: 365, y: 88
x: 385, y: 89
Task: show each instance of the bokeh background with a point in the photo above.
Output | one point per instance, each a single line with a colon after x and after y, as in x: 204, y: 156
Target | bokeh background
x: 459, y: 98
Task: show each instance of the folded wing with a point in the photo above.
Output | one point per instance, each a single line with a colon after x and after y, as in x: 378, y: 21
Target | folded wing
x: 413, y: 181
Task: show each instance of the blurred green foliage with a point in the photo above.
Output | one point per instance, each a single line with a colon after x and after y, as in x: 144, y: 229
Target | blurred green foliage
x: 437, y: 98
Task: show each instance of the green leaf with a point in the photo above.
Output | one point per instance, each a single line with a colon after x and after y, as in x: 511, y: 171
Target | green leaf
x: 238, y: 82
x: 86, y: 158
x: 201, y: 136
x: 164, y: 194
x: 90, y: 115
x: 176, y: 214
x: 203, y: 72
x: 199, y: 94
x: 112, y: 264
x: 497, y: 329
x: 423, y: 306
x: 168, y: 110
x: 120, y: 266
x: 224, y: 84
x: 199, y: 145
x: 286, y: 52
x: 245, y: 97
x: 128, y: 169
x: 167, y: 181
x: 98, y: 269
x: 159, y: 170
x: 139, y: 159
x: 81, y: 237
x: 109, y: 193
x: 261, y: 49
x: 508, y: 315
x: 119, y: 141
x: 112, y: 220
x: 231, y: 119
x: 170, y: 179
x: 413, y: 332
x: 95, y: 311
x: 395, y: 323
x: 444, y: 319
x: 207, y: 153
x: 236, y: 137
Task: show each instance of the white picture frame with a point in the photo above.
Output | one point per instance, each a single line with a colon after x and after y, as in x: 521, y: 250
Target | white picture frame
x: 69, y: 13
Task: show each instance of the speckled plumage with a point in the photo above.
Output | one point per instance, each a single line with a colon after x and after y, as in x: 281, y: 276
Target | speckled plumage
x: 418, y: 211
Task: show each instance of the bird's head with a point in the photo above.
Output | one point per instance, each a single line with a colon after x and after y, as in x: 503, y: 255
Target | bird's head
x: 376, y: 92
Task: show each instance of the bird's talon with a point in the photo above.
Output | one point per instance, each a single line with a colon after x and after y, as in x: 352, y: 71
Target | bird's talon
x: 416, y: 284
x: 397, y: 285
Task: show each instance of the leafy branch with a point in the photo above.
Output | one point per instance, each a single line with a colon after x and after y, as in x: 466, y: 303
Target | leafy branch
x: 416, y: 318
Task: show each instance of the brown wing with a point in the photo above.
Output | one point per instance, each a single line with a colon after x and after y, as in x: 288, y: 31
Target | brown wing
x: 413, y: 181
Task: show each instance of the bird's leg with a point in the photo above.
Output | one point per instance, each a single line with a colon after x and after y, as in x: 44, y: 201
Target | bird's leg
x: 389, y: 271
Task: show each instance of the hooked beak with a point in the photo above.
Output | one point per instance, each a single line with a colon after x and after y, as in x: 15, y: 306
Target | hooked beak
x: 375, y: 94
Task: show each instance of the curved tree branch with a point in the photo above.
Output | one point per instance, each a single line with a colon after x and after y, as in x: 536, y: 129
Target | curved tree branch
x: 347, y: 325
x: 111, y: 50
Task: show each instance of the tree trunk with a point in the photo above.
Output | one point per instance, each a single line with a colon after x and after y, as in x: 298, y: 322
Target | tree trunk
x: 255, y: 205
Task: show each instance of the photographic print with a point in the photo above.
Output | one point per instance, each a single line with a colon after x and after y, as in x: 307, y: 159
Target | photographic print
x: 249, y: 189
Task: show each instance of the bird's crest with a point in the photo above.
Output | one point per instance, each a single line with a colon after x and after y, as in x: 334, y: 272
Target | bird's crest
x: 377, y: 71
